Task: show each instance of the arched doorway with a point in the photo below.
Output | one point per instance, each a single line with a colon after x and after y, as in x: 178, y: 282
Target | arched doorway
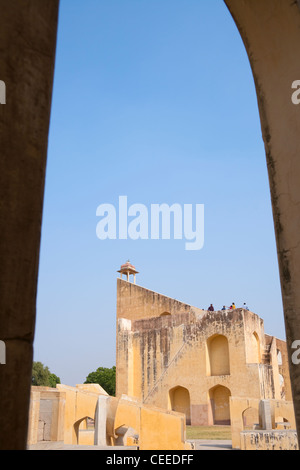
x: 82, y: 427
x: 250, y: 418
x: 219, y: 402
x: 179, y: 400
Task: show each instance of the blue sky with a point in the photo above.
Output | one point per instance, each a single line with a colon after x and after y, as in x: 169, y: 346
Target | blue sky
x: 156, y: 101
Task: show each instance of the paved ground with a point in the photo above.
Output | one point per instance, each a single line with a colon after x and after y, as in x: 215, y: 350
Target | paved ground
x: 200, y: 444
x: 207, y: 444
x: 62, y: 446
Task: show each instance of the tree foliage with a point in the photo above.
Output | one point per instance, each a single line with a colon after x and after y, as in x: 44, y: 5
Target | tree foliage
x: 41, y: 376
x: 105, y: 377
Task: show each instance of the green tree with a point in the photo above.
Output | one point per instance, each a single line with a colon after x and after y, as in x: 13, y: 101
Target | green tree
x: 104, y: 377
x: 41, y: 376
x: 53, y: 380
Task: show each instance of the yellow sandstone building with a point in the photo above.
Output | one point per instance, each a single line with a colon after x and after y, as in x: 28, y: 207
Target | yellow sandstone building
x: 200, y: 363
x: 177, y: 365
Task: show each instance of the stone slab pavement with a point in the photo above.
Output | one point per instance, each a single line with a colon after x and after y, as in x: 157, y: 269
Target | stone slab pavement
x: 61, y: 446
x: 208, y: 444
x: 200, y: 444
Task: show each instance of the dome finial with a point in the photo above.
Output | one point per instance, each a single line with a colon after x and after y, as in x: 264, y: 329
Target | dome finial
x: 128, y: 269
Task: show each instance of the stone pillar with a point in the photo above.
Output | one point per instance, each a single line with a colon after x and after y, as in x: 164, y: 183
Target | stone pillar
x: 124, y: 358
x: 27, y: 54
x: 34, y: 413
x: 100, y: 421
x: 58, y: 416
x: 265, y: 417
x: 270, y: 30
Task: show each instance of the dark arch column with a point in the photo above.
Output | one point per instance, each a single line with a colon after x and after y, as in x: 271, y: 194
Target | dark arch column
x: 27, y: 53
x: 270, y: 30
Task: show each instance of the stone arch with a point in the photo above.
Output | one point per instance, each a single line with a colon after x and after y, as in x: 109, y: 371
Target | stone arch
x: 125, y: 433
x: 250, y: 418
x: 218, y: 362
x: 282, y: 423
x: 284, y: 416
x: 165, y: 314
x: 179, y: 400
x: 273, y: 69
x: 258, y: 29
x: 83, y: 424
x: 219, y: 397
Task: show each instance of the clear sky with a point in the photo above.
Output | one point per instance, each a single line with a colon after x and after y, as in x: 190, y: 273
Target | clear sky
x: 153, y: 100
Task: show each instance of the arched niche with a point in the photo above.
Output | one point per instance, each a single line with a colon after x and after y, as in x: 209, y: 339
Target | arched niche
x: 219, y: 402
x: 179, y: 400
x: 218, y: 362
x: 254, y: 354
